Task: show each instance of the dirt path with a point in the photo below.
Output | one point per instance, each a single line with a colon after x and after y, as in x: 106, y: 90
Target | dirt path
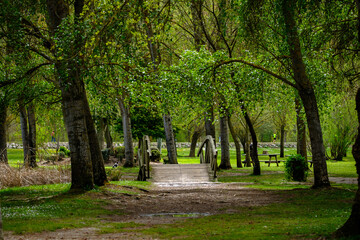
x: 165, y: 203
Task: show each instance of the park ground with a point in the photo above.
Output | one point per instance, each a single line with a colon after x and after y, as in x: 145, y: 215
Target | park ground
x: 237, y: 206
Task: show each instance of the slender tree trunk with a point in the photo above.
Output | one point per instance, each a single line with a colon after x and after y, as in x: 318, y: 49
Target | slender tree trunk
x: 307, y: 96
x: 108, y: 138
x: 237, y: 144
x: 209, y: 123
x: 128, y: 140
x: 301, y: 131
x: 170, y: 140
x: 3, y: 147
x: 32, y: 136
x: 352, y: 225
x: 194, y: 139
x: 254, y: 151
x: 247, y: 147
x: 224, y: 143
x: 1, y: 227
x: 97, y: 159
x: 282, y: 140
x: 100, y: 133
x: 24, y: 133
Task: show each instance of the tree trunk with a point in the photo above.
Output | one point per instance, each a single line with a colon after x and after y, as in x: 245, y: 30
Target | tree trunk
x: 100, y: 133
x: 24, y: 133
x: 1, y: 227
x: 224, y: 143
x: 352, y: 225
x: 97, y: 159
x: 307, y: 96
x: 237, y: 144
x: 301, y: 131
x: 247, y: 147
x: 170, y: 140
x: 253, y: 151
x: 128, y: 140
x: 194, y: 139
x: 108, y: 138
x: 209, y: 123
x: 282, y: 140
x: 3, y: 147
x: 32, y: 136
x: 73, y: 92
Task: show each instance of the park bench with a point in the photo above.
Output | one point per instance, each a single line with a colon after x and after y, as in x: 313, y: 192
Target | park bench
x: 268, y: 161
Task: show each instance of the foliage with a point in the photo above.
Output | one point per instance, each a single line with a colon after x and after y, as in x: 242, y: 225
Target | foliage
x: 296, y: 168
x: 155, y: 155
x: 64, y: 150
x: 120, y: 152
x: 113, y: 174
x: 106, y: 154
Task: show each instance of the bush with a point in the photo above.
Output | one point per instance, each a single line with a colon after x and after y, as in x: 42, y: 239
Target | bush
x: 113, y: 174
x: 106, y: 154
x: 120, y: 152
x: 65, y: 151
x: 296, y: 168
x: 155, y: 155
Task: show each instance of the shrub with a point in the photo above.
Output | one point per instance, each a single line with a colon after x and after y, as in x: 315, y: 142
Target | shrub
x: 155, y: 155
x: 65, y: 151
x: 296, y: 168
x: 106, y: 154
x: 113, y: 174
x: 120, y: 152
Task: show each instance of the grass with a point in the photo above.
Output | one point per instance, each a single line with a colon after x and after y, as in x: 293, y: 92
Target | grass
x: 303, y: 213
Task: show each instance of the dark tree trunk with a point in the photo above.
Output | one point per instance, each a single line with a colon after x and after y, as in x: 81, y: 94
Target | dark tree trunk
x: 254, y: 151
x: 196, y: 11
x: 32, y: 136
x: 24, y: 133
x: 97, y: 159
x: 209, y: 124
x: 307, y: 96
x: 1, y: 227
x: 128, y: 140
x: 194, y: 139
x: 247, y: 148
x: 237, y: 144
x: 3, y: 147
x: 224, y: 143
x: 282, y: 140
x: 301, y: 131
x: 170, y: 140
x: 352, y: 225
x: 108, y: 138
x: 100, y: 133
x: 73, y: 93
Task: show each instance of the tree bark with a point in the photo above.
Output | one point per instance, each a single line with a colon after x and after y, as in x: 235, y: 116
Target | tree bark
x: 128, y: 140
x: 194, y: 139
x: 282, y: 140
x: 237, y: 144
x: 352, y: 225
x: 209, y: 123
x: 100, y: 133
x: 224, y: 143
x: 307, y: 96
x: 253, y: 151
x: 301, y: 131
x: 73, y: 92
x: 32, y: 136
x: 97, y: 159
x: 3, y: 147
x: 108, y: 138
x: 170, y: 140
x: 24, y: 133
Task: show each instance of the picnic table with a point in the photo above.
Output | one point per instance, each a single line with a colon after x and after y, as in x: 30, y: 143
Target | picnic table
x: 271, y: 156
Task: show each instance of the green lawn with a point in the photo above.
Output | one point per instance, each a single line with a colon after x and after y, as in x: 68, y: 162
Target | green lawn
x: 303, y: 213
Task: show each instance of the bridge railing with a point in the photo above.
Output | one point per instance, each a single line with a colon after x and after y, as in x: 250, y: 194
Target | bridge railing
x: 210, y: 154
x: 144, y: 153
